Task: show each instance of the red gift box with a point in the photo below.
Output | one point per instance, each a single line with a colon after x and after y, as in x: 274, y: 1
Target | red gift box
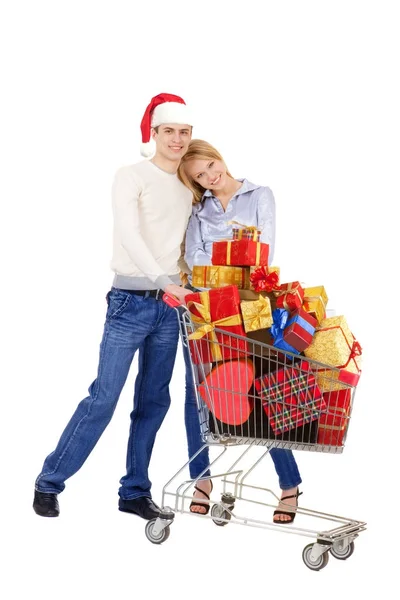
x: 289, y: 296
x: 333, y: 423
x: 290, y: 397
x: 217, y: 308
x: 300, y: 329
x: 226, y: 391
x: 240, y: 253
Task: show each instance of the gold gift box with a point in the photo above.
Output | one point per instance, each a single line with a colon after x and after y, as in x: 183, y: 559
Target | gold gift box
x: 256, y: 314
x: 315, y: 301
x: 332, y: 345
x: 212, y: 276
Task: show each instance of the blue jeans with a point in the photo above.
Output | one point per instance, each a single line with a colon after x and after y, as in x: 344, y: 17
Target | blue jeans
x: 192, y: 423
x: 132, y: 322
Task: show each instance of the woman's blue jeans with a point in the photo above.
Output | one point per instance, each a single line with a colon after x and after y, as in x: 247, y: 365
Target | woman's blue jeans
x: 284, y: 461
x: 132, y: 323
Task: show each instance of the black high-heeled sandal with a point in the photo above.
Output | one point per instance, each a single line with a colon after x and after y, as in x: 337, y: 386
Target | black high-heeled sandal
x: 198, y: 502
x: 291, y: 514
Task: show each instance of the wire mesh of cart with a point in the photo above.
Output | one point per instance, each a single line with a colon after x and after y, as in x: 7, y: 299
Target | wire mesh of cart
x: 253, y: 395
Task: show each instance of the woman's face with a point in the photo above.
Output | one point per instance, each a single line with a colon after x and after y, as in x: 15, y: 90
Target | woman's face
x: 210, y: 174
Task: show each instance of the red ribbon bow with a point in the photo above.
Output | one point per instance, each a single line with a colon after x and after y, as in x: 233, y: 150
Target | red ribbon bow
x: 356, y: 350
x: 262, y: 281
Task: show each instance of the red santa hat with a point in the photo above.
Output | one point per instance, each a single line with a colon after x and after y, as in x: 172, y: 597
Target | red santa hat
x: 163, y: 108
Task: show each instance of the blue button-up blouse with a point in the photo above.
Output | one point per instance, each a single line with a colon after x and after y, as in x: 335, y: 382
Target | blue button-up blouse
x: 251, y: 205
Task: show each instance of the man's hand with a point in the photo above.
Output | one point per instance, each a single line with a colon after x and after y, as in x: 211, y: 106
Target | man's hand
x: 177, y: 291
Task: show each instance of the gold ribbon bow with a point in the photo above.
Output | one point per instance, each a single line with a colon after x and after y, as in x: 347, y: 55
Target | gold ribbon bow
x: 207, y: 326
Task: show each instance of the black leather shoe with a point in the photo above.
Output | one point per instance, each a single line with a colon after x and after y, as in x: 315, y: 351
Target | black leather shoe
x: 46, y: 505
x: 143, y: 507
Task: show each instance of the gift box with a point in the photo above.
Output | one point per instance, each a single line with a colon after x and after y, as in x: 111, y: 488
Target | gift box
x: 212, y: 276
x: 289, y: 296
x: 280, y: 317
x: 264, y: 279
x: 290, y: 397
x: 299, y: 330
x: 315, y: 301
x: 240, y: 253
x: 216, y: 308
x: 334, y: 345
x: 334, y: 422
x: 256, y: 314
x: 226, y: 391
x: 246, y: 233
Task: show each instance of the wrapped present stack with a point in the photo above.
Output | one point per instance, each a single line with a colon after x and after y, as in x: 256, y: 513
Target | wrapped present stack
x: 304, y: 364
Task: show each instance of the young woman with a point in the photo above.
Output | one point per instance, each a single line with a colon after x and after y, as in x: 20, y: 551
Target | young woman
x: 217, y: 199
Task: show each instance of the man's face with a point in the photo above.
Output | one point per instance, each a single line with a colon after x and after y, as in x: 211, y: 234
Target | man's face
x: 172, y: 140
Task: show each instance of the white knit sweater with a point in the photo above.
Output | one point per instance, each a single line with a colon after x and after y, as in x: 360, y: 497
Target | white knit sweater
x: 151, y: 211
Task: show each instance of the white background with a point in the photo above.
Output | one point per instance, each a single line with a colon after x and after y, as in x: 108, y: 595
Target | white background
x: 300, y: 96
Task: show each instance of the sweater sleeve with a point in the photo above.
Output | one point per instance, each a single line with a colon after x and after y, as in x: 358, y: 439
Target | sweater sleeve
x: 183, y: 266
x: 195, y: 253
x: 266, y: 220
x: 125, y: 196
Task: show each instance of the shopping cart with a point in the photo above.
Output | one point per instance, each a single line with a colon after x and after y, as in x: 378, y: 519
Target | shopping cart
x: 260, y: 398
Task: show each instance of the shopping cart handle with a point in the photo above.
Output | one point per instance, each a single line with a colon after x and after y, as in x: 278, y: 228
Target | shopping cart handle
x: 172, y: 301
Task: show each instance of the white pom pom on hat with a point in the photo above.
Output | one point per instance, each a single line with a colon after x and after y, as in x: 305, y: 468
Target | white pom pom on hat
x: 147, y: 149
x: 163, y: 108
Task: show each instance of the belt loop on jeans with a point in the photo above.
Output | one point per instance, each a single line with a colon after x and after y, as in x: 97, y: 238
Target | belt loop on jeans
x: 158, y: 294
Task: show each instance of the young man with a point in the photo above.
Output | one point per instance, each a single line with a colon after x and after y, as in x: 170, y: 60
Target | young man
x: 151, y: 210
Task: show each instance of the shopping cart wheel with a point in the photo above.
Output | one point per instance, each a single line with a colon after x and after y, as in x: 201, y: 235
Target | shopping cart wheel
x: 314, y: 564
x: 156, y: 538
x: 219, y: 515
x: 340, y: 551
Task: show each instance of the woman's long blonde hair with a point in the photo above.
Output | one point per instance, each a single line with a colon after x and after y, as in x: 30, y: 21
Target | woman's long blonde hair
x: 198, y: 149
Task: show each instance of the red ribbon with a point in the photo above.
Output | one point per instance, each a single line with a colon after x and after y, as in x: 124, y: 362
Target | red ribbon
x: 262, y: 281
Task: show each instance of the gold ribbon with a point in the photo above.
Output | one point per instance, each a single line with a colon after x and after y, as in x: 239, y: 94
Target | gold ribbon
x: 253, y: 316
x: 333, y: 427
x: 207, y: 326
x: 313, y: 298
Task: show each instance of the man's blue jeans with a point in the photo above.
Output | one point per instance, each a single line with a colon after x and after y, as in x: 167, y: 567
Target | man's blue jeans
x: 284, y: 461
x: 132, y: 322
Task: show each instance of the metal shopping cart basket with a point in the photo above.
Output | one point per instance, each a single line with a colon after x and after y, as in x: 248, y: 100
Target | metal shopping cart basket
x: 260, y: 398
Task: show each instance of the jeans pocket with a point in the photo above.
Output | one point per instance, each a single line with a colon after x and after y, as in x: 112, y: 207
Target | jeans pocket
x: 117, y: 302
